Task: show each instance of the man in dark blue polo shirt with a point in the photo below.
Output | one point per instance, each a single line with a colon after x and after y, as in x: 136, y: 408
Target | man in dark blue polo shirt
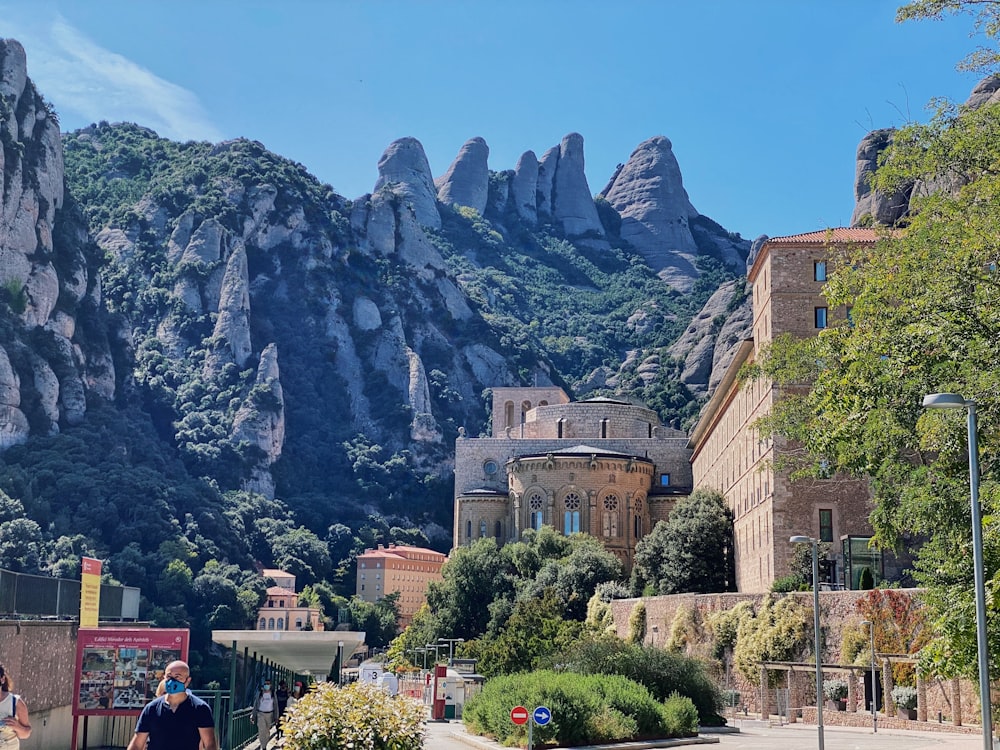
x: 177, y: 720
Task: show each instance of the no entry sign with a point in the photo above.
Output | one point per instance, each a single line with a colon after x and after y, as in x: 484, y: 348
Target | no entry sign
x: 519, y: 715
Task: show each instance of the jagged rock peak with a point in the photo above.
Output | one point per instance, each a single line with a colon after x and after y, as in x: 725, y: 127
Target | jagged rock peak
x: 883, y: 209
x: 524, y: 187
x: 405, y: 171
x: 572, y: 201
x: 467, y: 181
x: 260, y: 421
x: 649, y: 194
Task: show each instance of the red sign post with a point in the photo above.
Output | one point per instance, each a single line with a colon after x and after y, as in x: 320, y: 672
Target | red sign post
x: 519, y: 715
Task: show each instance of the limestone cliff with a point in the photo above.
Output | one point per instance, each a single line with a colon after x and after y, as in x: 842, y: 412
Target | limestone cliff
x: 467, y: 181
x: 49, y: 362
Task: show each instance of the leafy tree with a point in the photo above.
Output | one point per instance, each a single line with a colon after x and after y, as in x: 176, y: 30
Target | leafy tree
x: 691, y: 552
x: 536, y: 630
x: 987, y: 13
x: 378, y: 620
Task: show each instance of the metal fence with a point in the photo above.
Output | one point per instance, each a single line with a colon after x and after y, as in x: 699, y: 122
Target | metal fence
x: 24, y: 595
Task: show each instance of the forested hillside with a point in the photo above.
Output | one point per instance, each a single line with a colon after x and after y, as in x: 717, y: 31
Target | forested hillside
x: 213, y: 363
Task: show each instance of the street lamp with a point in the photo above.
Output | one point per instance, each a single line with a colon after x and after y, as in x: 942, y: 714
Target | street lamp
x: 436, y: 647
x: 421, y: 651
x: 871, y: 642
x: 451, y: 646
x: 955, y: 401
x: 798, y: 539
x: 340, y: 663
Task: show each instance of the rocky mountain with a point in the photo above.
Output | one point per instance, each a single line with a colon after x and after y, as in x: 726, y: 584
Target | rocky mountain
x: 874, y: 206
x: 294, y: 357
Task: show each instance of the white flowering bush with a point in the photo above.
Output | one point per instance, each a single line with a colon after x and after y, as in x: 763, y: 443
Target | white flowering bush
x: 359, y: 717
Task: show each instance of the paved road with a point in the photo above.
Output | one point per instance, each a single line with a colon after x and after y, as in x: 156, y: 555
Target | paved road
x: 451, y: 736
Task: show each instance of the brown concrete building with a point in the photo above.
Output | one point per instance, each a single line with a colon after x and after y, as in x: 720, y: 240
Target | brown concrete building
x: 600, y: 466
x: 281, y: 610
x: 407, y: 570
x: 787, y: 277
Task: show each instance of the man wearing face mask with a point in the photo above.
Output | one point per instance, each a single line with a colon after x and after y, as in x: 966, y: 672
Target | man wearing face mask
x: 265, y: 713
x: 178, y: 719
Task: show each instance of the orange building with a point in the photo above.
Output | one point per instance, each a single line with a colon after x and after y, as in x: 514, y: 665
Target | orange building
x: 407, y: 570
x: 281, y: 610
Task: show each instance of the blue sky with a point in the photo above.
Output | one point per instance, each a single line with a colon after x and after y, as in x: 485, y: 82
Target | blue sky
x: 765, y: 101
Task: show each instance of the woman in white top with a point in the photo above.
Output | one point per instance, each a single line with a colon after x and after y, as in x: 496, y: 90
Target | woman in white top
x: 16, y: 725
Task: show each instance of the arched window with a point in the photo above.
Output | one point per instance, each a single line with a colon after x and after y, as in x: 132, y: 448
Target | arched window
x: 263, y: 624
x: 270, y: 623
x: 508, y: 415
x: 571, y: 513
x: 609, y: 523
x: 468, y: 531
x: 604, y: 428
x: 298, y: 623
x: 281, y: 623
x: 535, y: 510
x: 638, y: 519
x: 561, y: 428
x: 482, y: 529
x: 498, y: 532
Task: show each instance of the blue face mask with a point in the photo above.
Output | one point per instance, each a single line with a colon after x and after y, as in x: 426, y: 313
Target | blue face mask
x: 174, y: 686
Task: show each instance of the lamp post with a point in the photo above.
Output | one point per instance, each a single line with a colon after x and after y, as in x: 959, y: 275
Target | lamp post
x: 798, y: 539
x: 340, y: 663
x: 451, y: 647
x: 955, y: 401
x: 871, y: 642
x: 436, y: 647
x: 424, y: 652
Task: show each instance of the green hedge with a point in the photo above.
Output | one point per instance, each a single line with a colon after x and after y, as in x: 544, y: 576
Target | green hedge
x: 586, y: 709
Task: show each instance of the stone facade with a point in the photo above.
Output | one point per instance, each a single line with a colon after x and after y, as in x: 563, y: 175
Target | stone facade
x: 729, y: 455
x: 601, y: 466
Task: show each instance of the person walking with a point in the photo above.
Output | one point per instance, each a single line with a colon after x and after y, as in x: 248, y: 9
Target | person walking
x: 16, y: 726
x: 281, y: 695
x: 178, y: 719
x: 264, y: 714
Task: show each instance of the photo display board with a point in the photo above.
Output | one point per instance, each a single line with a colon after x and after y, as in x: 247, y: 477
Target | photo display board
x: 118, y: 669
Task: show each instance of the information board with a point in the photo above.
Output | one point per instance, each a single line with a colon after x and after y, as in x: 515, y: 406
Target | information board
x: 118, y: 669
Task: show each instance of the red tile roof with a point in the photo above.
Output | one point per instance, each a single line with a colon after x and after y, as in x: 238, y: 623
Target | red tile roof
x: 279, y: 591
x: 826, y: 236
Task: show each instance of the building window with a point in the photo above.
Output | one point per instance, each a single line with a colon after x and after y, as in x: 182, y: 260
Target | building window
x: 664, y: 480
x: 821, y: 317
x: 819, y: 270
x: 498, y: 532
x: 571, y: 513
x: 468, y: 531
x: 560, y: 428
x: 298, y: 623
x: 535, y: 510
x: 263, y: 624
x: 482, y: 529
x: 281, y: 623
x: 825, y: 525
x: 490, y: 468
x: 609, y: 523
x: 270, y: 623
x: 604, y: 428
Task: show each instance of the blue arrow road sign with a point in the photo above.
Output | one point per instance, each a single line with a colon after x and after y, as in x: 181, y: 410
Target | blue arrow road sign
x: 542, y: 716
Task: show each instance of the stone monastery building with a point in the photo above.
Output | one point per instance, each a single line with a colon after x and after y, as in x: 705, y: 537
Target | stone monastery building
x: 610, y: 469
x: 601, y: 466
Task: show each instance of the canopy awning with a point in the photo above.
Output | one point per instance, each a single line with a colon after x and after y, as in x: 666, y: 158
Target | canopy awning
x: 302, y: 651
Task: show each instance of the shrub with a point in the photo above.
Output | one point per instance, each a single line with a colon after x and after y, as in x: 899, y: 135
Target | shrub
x: 904, y: 696
x: 637, y: 623
x: 682, y: 716
x: 834, y: 690
x: 361, y: 717
x: 660, y: 671
x: 586, y: 709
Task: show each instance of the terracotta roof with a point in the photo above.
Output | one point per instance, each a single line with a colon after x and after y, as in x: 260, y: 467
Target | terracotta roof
x: 279, y: 591
x: 826, y: 236
x: 402, y: 552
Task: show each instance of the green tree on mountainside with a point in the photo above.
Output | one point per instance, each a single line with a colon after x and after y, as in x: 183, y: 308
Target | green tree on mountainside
x: 925, y: 318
